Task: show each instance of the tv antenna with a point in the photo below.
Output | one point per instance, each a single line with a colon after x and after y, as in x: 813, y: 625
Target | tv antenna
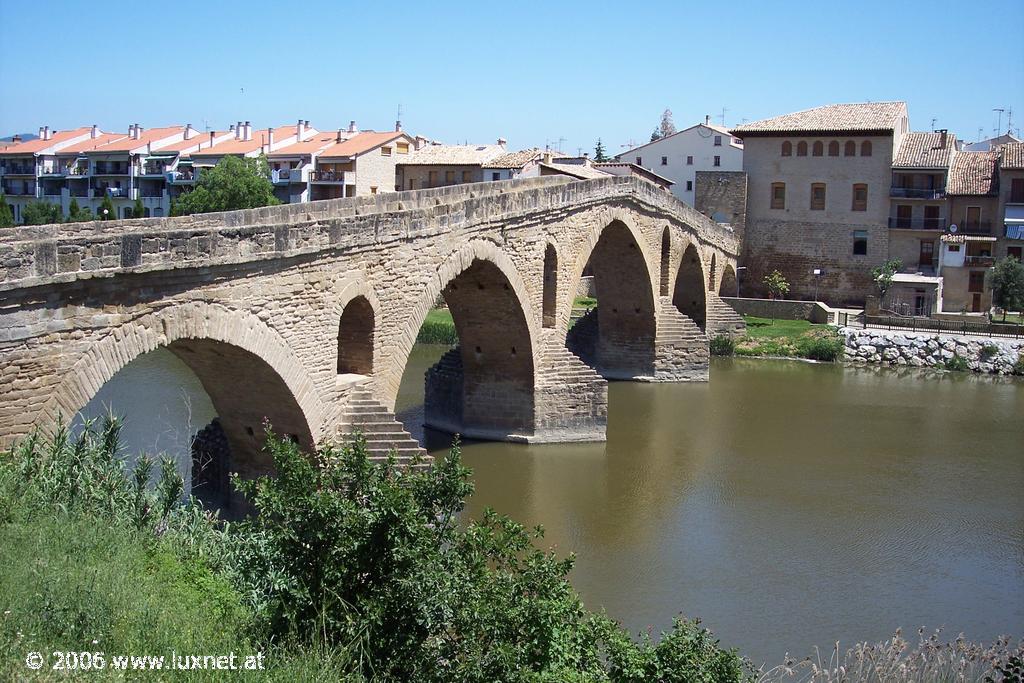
x: 999, y: 126
x: 933, y: 123
x: 723, y: 116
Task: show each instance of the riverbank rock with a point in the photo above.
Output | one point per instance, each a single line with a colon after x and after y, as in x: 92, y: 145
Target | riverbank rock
x: 990, y: 356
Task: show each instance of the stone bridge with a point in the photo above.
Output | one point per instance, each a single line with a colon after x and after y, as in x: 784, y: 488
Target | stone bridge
x: 304, y: 315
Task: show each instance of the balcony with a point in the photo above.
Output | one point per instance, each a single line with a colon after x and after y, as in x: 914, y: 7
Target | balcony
x: 152, y: 170
x: 181, y: 177
x: 113, y: 192
x: 77, y: 171
x: 20, y: 190
x: 53, y: 172
x: 19, y: 169
x: 975, y: 228
x: 979, y: 261
x: 917, y: 193
x: 104, y: 169
x: 898, y: 223
x: 329, y: 176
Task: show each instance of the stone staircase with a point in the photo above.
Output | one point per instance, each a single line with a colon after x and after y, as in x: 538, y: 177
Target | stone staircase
x: 571, y: 396
x: 681, y: 347
x: 723, y: 320
x: 381, y: 430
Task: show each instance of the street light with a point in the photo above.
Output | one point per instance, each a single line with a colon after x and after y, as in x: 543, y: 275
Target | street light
x: 738, y: 269
x: 818, y: 272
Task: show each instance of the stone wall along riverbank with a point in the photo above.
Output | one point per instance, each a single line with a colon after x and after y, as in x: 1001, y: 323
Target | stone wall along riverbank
x: 994, y: 356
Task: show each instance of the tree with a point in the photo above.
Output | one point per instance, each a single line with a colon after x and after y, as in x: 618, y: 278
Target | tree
x: 600, y: 155
x: 6, y: 215
x: 138, y: 211
x: 882, y: 276
x: 234, y: 183
x: 668, y: 126
x: 1006, y: 279
x: 656, y: 135
x: 777, y: 286
x: 41, y: 213
x: 106, y: 212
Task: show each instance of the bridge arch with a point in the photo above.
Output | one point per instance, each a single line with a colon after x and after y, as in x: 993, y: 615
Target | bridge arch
x: 549, y: 282
x: 666, y: 261
x: 712, y: 273
x: 357, y: 315
x: 618, y: 339
x: 484, y: 388
x: 246, y: 369
x: 727, y: 287
x: 689, y: 293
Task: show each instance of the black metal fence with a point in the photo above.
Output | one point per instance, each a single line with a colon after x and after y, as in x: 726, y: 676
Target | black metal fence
x: 912, y: 324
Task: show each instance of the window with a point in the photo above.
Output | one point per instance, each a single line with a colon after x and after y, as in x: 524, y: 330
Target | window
x: 976, y: 281
x: 833, y: 149
x: 850, y: 149
x: 801, y: 149
x: 385, y: 151
x: 402, y: 147
x: 496, y: 175
x: 818, y: 196
x: 689, y: 162
x: 689, y: 186
x: 449, y: 177
x: 953, y: 248
x: 865, y: 148
x: 1017, y: 190
x: 467, y: 176
x: 860, y: 197
x: 373, y: 189
x: 664, y: 161
x: 787, y: 149
x: 639, y: 161
x: 819, y: 149
x: 1015, y: 252
x: 718, y: 161
x: 860, y: 242
x: 432, y: 178
x: 778, y: 195
x: 972, y: 219
x: 718, y: 141
x: 412, y: 184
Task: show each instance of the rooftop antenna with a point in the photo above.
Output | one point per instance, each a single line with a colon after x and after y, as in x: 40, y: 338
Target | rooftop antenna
x: 630, y: 144
x: 981, y: 131
x: 933, y: 123
x: 999, y: 126
x: 723, y: 116
x: 561, y: 141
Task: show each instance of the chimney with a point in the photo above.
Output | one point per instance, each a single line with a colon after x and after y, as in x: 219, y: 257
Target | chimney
x: 502, y: 142
x: 339, y: 137
x: 398, y: 126
x: 188, y: 131
x: 16, y: 139
x: 707, y: 119
x: 42, y: 132
x: 211, y: 138
x: 942, y: 138
x: 94, y: 133
x: 270, y: 139
x: 138, y: 131
x: 305, y: 124
x: 248, y: 131
x: 586, y: 158
x: 299, y: 129
x: 547, y: 156
x: 239, y: 131
x: 352, y: 127
x: 420, y: 141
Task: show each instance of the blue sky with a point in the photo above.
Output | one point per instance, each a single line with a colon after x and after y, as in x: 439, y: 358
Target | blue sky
x: 530, y: 72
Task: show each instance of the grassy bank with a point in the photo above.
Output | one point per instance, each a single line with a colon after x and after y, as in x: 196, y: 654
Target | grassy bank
x: 438, y: 328
x: 782, y: 338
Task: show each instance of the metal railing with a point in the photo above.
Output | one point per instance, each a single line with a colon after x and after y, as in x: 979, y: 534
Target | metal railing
x: 979, y: 261
x: 918, y: 223
x: 18, y: 169
x: 327, y: 176
x: 917, y: 193
x: 102, y: 169
x: 915, y: 324
x: 975, y: 228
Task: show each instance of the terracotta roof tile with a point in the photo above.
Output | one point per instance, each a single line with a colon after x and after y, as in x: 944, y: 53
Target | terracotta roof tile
x: 923, y: 150
x: 973, y: 173
x: 837, y: 118
x: 314, y: 144
x: 515, y: 159
x: 152, y: 135
x: 90, y: 144
x: 1011, y: 156
x: 363, y: 142
x: 38, y: 144
x: 582, y: 171
x: 462, y: 155
x: 259, y: 139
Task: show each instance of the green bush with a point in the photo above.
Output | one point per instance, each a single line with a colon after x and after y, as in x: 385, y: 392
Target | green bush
x: 956, y: 363
x: 722, y: 345
x: 437, y: 332
x: 1018, y: 367
x: 824, y: 348
x: 988, y: 351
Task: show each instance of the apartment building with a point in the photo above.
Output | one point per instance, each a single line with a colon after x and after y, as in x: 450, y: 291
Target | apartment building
x: 435, y: 165
x: 364, y: 163
x: 24, y: 163
x: 292, y: 165
x: 818, y: 185
x: 678, y: 157
x: 1011, y: 200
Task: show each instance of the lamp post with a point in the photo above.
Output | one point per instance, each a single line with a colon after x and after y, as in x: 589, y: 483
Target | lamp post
x: 739, y: 269
x: 818, y: 272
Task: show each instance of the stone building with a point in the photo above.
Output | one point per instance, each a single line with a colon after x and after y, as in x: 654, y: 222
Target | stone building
x: 362, y: 164
x: 1011, y: 200
x: 818, y: 197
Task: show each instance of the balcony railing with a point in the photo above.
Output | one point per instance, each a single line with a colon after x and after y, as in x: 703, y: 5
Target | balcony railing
x: 979, y: 261
x: 20, y: 190
x: 975, y: 228
x: 153, y: 170
x: 110, y: 170
x: 77, y: 171
x: 116, y: 192
x: 181, y: 176
x: 917, y: 193
x: 917, y: 223
x: 19, y: 169
x: 53, y: 171
x: 328, y: 176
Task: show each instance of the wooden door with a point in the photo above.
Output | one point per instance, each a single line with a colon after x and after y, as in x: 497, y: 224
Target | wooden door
x: 926, y: 255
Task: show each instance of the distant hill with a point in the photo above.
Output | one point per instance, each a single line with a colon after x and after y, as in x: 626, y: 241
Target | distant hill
x: 25, y: 137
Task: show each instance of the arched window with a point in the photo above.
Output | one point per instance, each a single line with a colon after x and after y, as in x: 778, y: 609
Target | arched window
x: 865, y: 148
x: 850, y: 149
x: 666, y: 252
x: 778, y: 195
x: 787, y: 149
x: 355, y: 338
x: 833, y: 149
x: 550, y: 286
x: 818, y: 149
x: 801, y: 149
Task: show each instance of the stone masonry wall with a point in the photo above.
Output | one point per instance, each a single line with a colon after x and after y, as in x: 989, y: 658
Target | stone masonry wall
x: 994, y: 356
x: 722, y: 195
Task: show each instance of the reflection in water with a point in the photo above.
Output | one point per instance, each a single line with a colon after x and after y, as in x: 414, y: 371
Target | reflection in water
x: 787, y: 504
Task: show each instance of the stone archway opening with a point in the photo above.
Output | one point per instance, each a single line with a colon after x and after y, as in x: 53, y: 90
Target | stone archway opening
x: 550, y: 297
x: 206, y: 404
x: 712, y: 273
x: 618, y: 337
x: 355, y: 338
x: 666, y: 255
x: 689, y: 295
x: 729, y: 283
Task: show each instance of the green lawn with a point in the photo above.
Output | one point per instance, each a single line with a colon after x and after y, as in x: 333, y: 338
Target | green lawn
x: 440, y: 316
x: 760, y: 328
x: 586, y: 302
x: 789, y: 338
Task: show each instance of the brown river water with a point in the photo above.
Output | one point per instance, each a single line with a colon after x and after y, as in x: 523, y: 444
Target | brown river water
x: 786, y: 504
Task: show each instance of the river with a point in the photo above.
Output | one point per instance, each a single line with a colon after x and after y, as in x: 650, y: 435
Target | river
x: 786, y: 504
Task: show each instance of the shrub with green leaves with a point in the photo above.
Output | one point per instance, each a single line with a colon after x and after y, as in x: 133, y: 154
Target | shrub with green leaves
x: 821, y: 347
x: 956, y: 363
x: 722, y: 345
